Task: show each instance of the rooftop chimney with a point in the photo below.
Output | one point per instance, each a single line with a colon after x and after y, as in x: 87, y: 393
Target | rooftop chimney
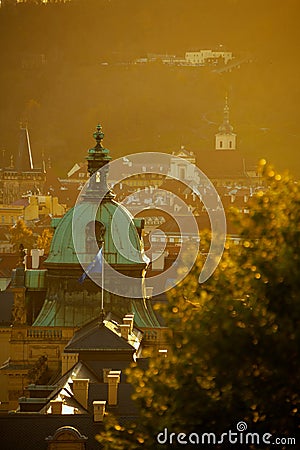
x: 125, y: 328
x: 56, y: 406
x: 99, y: 410
x: 81, y: 390
x: 68, y: 361
x: 163, y: 352
x: 113, y: 381
x: 105, y: 373
x: 116, y: 372
x: 129, y: 320
x: 35, y: 255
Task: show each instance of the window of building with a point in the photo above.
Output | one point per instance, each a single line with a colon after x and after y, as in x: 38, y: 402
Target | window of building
x: 66, y: 437
x: 182, y: 174
x: 221, y: 144
x: 230, y: 144
x: 94, y: 236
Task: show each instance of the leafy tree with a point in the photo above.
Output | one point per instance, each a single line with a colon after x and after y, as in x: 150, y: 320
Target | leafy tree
x: 234, y: 355
x: 21, y: 234
x: 44, y: 240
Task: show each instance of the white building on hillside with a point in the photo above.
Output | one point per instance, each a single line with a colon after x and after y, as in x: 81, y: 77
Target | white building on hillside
x: 203, y: 57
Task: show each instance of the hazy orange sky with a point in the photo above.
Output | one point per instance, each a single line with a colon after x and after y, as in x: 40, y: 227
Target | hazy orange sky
x: 151, y: 107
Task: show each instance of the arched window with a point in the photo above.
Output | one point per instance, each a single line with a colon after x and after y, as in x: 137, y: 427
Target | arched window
x: 66, y: 437
x: 94, y: 236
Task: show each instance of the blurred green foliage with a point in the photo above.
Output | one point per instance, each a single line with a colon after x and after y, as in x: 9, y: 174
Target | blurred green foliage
x: 235, y: 349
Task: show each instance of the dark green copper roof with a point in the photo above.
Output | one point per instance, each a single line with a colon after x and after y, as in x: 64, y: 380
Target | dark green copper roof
x: 96, y: 204
x: 62, y: 247
x: 68, y: 303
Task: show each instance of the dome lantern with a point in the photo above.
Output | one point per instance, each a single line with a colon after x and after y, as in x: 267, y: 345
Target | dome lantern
x: 98, y: 158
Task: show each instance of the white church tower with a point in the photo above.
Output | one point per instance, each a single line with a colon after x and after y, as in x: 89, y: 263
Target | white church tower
x: 226, y: 139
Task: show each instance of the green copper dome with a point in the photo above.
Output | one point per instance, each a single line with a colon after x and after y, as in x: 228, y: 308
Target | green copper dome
x: 96, y: 214
x: 116, y: 221
x: 96, y: 221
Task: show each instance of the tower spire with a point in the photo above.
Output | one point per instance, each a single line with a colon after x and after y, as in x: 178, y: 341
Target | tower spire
x: 225, y: 138
x: 98, y: 156
x: 24, y: 157
x: 225, y: 126
x: 226, y: 110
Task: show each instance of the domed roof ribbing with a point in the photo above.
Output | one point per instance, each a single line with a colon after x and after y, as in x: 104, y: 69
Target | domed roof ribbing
x: 96, y: 221
x: 90, y: 210
x: 62, y: 248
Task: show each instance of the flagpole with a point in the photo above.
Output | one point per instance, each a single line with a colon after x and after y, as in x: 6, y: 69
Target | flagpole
x: 102, y: 281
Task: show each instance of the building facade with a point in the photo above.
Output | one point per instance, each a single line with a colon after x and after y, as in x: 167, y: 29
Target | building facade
x: 21, y: 177
x: 203, y: 57
x: 50, y: 304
